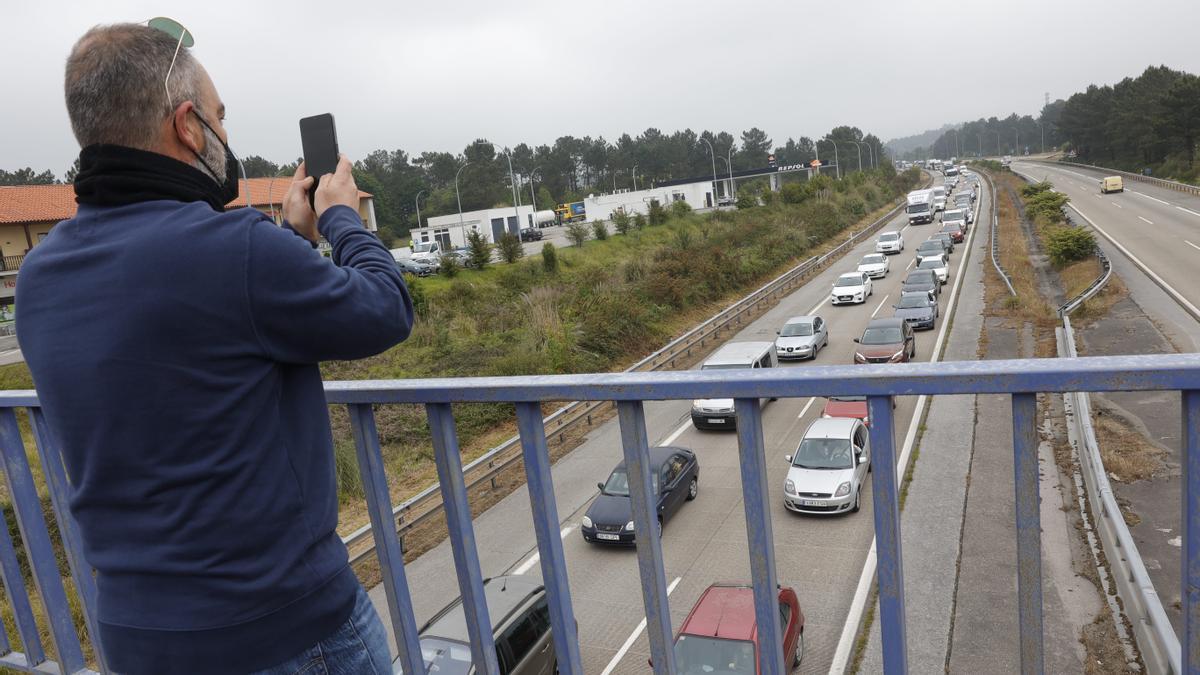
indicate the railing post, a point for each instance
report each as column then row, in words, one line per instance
column 886, row 506
column 756, row 502
column 1190, row 521
column 546, row 527
column 648, row 536
column 387, row 545
column 1029, row 530
column 462, row 537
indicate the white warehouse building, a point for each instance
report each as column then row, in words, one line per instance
column 601, row 207
column 451, row 229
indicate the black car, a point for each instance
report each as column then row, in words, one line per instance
column 922, row 280
column 531, row 234
column 676, row 479
column 918, row 309
column 946, row 240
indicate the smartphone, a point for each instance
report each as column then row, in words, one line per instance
column 318, row 136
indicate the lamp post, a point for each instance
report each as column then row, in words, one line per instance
column 417, row 204
column 858, row 149
column 998, row 150
column 836, row 164
column 981, row 145
column 614, row 177
column 270, row 189
column 635, row 177
column 713, row 155
column 1042, row 128
column 456, row 194
column 532, row 194
column 1016, row 142
column 729, row 163
column 513, row 180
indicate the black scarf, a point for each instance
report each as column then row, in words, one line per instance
column 114, row 175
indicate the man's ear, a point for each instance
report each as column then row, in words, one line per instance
column 187, row 129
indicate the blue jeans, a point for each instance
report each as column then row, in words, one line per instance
column 357, row 647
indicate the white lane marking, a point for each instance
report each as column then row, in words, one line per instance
column 1097, row 196
column 1191, row 244
column 879, row 306
column 675, row 434
column 841, row 656
column 1145, row 220
column 911, row 263
column 634, row 636
column 1188, row 211
column 818, row 306
column 1143, row 194
column 533, row 559
column 806, row 407
column 1117, row 205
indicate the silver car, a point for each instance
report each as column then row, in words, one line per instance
column 801, row 338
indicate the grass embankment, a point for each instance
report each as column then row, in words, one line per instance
column 603, row 306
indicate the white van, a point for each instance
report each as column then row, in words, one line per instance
column 717, row 413
column 939, row 198
column 429, row 251
column 920, row 207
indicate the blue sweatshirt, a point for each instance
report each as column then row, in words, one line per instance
column 175, row 349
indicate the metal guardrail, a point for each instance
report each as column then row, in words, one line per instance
column 996, row 226
column 1156, row 639
column 1159, row 182
column 427, row 503
column 1095, row 287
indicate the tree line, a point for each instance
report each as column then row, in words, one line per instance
column 1149, row 122
column 567, row 170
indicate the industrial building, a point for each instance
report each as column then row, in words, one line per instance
column 698, row 195
column 451, row 229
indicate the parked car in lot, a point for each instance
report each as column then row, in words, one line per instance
column 888, row 340
column 520, row 617
column 938, row 264
column 853, row 287
column 889, row 242
column 930, row 249
column 675, row 475
column 801, row 338
column 718, row 413
column 421, row 268
column 531, row 234
column 847, row 406
column 918, row 309
column 874, row 265
column 720, row 634
column 827, row 471
column 922, row 281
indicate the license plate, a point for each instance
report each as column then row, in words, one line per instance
column 811, row 502
column 716, row 420
column 608, row 537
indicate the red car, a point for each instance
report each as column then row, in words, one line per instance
column 847, row 406
column 720, row 635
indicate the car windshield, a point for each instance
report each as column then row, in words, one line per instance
column 872, row 259
column 423, row 247
column 618, row 483
column 798, row 329
column 918, row 208
column 849, row 281
column 823, row 453
column 702, row 655
column 889, row 236
column 913, row 302
column 445, row 657
column 888, row 335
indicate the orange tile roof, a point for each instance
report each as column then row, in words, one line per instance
column 52, row 203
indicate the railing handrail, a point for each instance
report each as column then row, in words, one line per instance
column 426, row 503
column 1160, row 182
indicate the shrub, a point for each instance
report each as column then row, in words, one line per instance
column 449, row 266
column 479, row 251
column 1046, row 205
column 1035, row 189
column 1068, row 244
column 680, row 208
column 416, row 291
column 510, row 248
column 746, row 200
column 639, row 221
column 599, row 230
column 768, row 197
column 577, row 233
column 855, row 206
column 549, row 258
column 794, row 193
column 683, row 238
column 621, row 221
column 658, row 215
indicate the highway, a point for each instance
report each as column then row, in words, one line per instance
column 821, row 557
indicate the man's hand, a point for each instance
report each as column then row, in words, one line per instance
column 337, row 188
column 296, row 210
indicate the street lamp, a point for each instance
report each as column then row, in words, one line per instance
column 729, row 163
column 836, row 164
column 998, row 150
column 532, row 194
column 1042, row 128
column 417, row 204
column 512, row 179
column 1016, row 142
column 712, row 154
column 635, row 166
column 858, row 149
column 270, row 188
column 614, row 177
column 456, row 194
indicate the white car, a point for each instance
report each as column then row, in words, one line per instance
column 851, row 288
column 939, row 204
column 874, row 265
column 889, row 242
column 827, row 471
column 936, row 263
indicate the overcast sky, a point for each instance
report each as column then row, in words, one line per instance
column 436, row 75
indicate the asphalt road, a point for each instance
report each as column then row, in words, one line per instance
column 822, row 557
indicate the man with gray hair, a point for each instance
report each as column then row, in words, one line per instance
column 175, row 348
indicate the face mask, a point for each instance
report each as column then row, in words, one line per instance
column 229, row 188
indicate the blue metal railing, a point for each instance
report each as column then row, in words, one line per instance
column 1023, row 379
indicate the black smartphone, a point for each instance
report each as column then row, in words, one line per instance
column 318, row 136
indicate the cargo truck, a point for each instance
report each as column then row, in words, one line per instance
column 570, row 213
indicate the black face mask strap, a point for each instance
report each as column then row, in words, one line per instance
column 200, row 157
